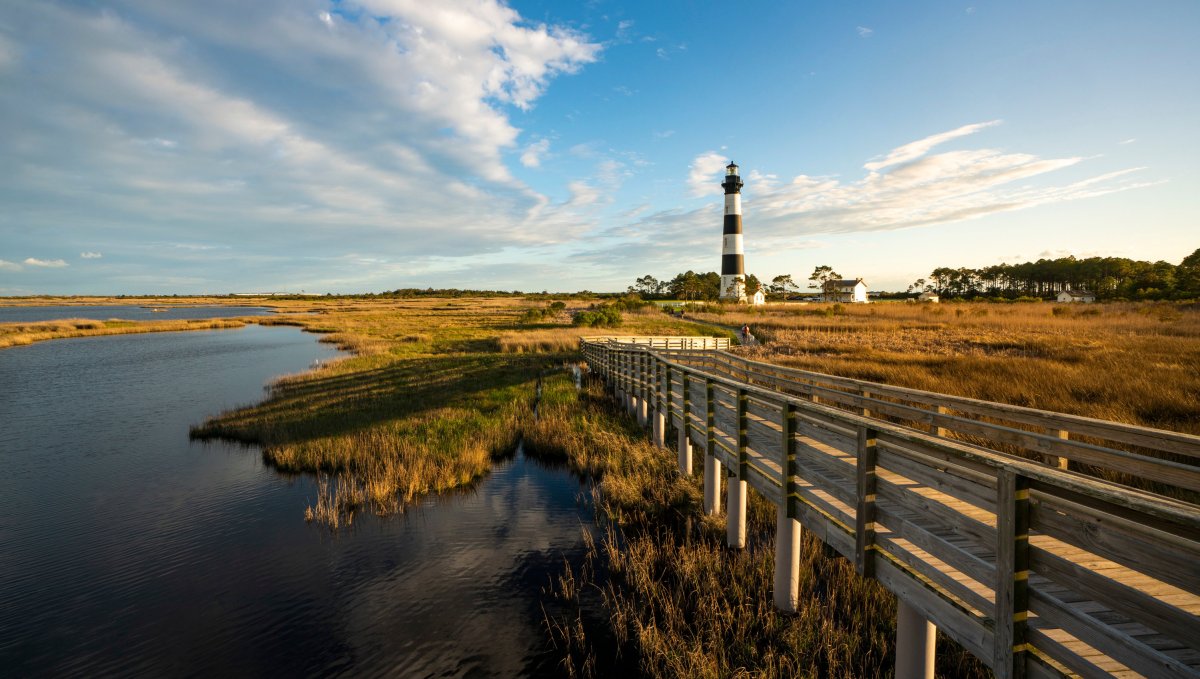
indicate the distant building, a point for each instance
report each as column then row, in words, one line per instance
column 1069, row 296
column 928, row 296
column 851, row 291
column 759, row 298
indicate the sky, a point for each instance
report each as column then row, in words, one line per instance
column 368, row 145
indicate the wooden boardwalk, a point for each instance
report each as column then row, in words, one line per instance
column 973, row 513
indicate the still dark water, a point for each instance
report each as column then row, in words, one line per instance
column 125, row 312
column 126, row 549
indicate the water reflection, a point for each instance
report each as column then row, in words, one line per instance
column 128, row 549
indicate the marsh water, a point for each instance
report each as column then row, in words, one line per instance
column 127, row 549
column 125, row 312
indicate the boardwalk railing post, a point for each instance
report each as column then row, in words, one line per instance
column 661, row 409
column 1063, row 463
column 712, row 466
column 787, row 528
column 939, row 430
column 916, row 643
column 1012, row 574
column 864, row 523
column 685, row 439
column 643, row 389
column 735, row 510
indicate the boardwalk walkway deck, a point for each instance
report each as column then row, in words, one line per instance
column 975, row 514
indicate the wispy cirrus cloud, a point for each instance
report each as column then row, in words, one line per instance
column 90, row 255
column 864, row 32
column 910, row 186
column 916, row 149
column 6, row 265
column 45, row 263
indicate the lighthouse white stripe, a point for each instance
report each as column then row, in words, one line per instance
column 733, row 203
column 732, row 244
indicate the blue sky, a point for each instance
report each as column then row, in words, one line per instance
column 367, row 145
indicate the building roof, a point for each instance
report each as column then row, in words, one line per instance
column 845, row 283
column 1079, row 293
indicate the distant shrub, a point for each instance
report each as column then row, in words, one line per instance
column 603, row 316
column 1060, row 311
column 1024, row 298
column 834, row 310
column 536, row 315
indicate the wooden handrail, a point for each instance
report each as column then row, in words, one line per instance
column 981, row 541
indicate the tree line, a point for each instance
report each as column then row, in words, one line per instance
column 1106, row 277
column 693, row 286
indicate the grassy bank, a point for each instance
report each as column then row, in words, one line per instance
column 19, row 334
column 434, row 391
column 676, row 598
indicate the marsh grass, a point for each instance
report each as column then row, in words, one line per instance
column 1133, row 363
column 680, row 603
column 429, row 399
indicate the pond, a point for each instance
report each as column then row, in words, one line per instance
column 128, row 549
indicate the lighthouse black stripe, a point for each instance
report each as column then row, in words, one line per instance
column 731, row 265
column 733, row 224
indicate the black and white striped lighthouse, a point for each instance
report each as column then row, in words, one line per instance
column 733, row 270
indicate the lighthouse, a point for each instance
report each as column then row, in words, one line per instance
column 733, row 270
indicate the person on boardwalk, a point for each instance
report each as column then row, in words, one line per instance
column 746, row 333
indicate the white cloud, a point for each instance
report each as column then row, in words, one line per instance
column 9, row 266
column 864, row 32
column 47, row 263
column 532, row 157
column 90, row 255
column 911, row 188
column 920, row 147
column 399, row 97
column 704, row 173
column 1128, row 141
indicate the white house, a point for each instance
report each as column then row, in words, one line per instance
column 759, row 298
column 854, row 291
column 1068, row 296
column 928, row 296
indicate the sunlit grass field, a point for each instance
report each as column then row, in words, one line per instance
column 1137, row 363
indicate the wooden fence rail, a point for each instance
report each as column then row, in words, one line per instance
column 1124, row 451
column 1035, row 569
